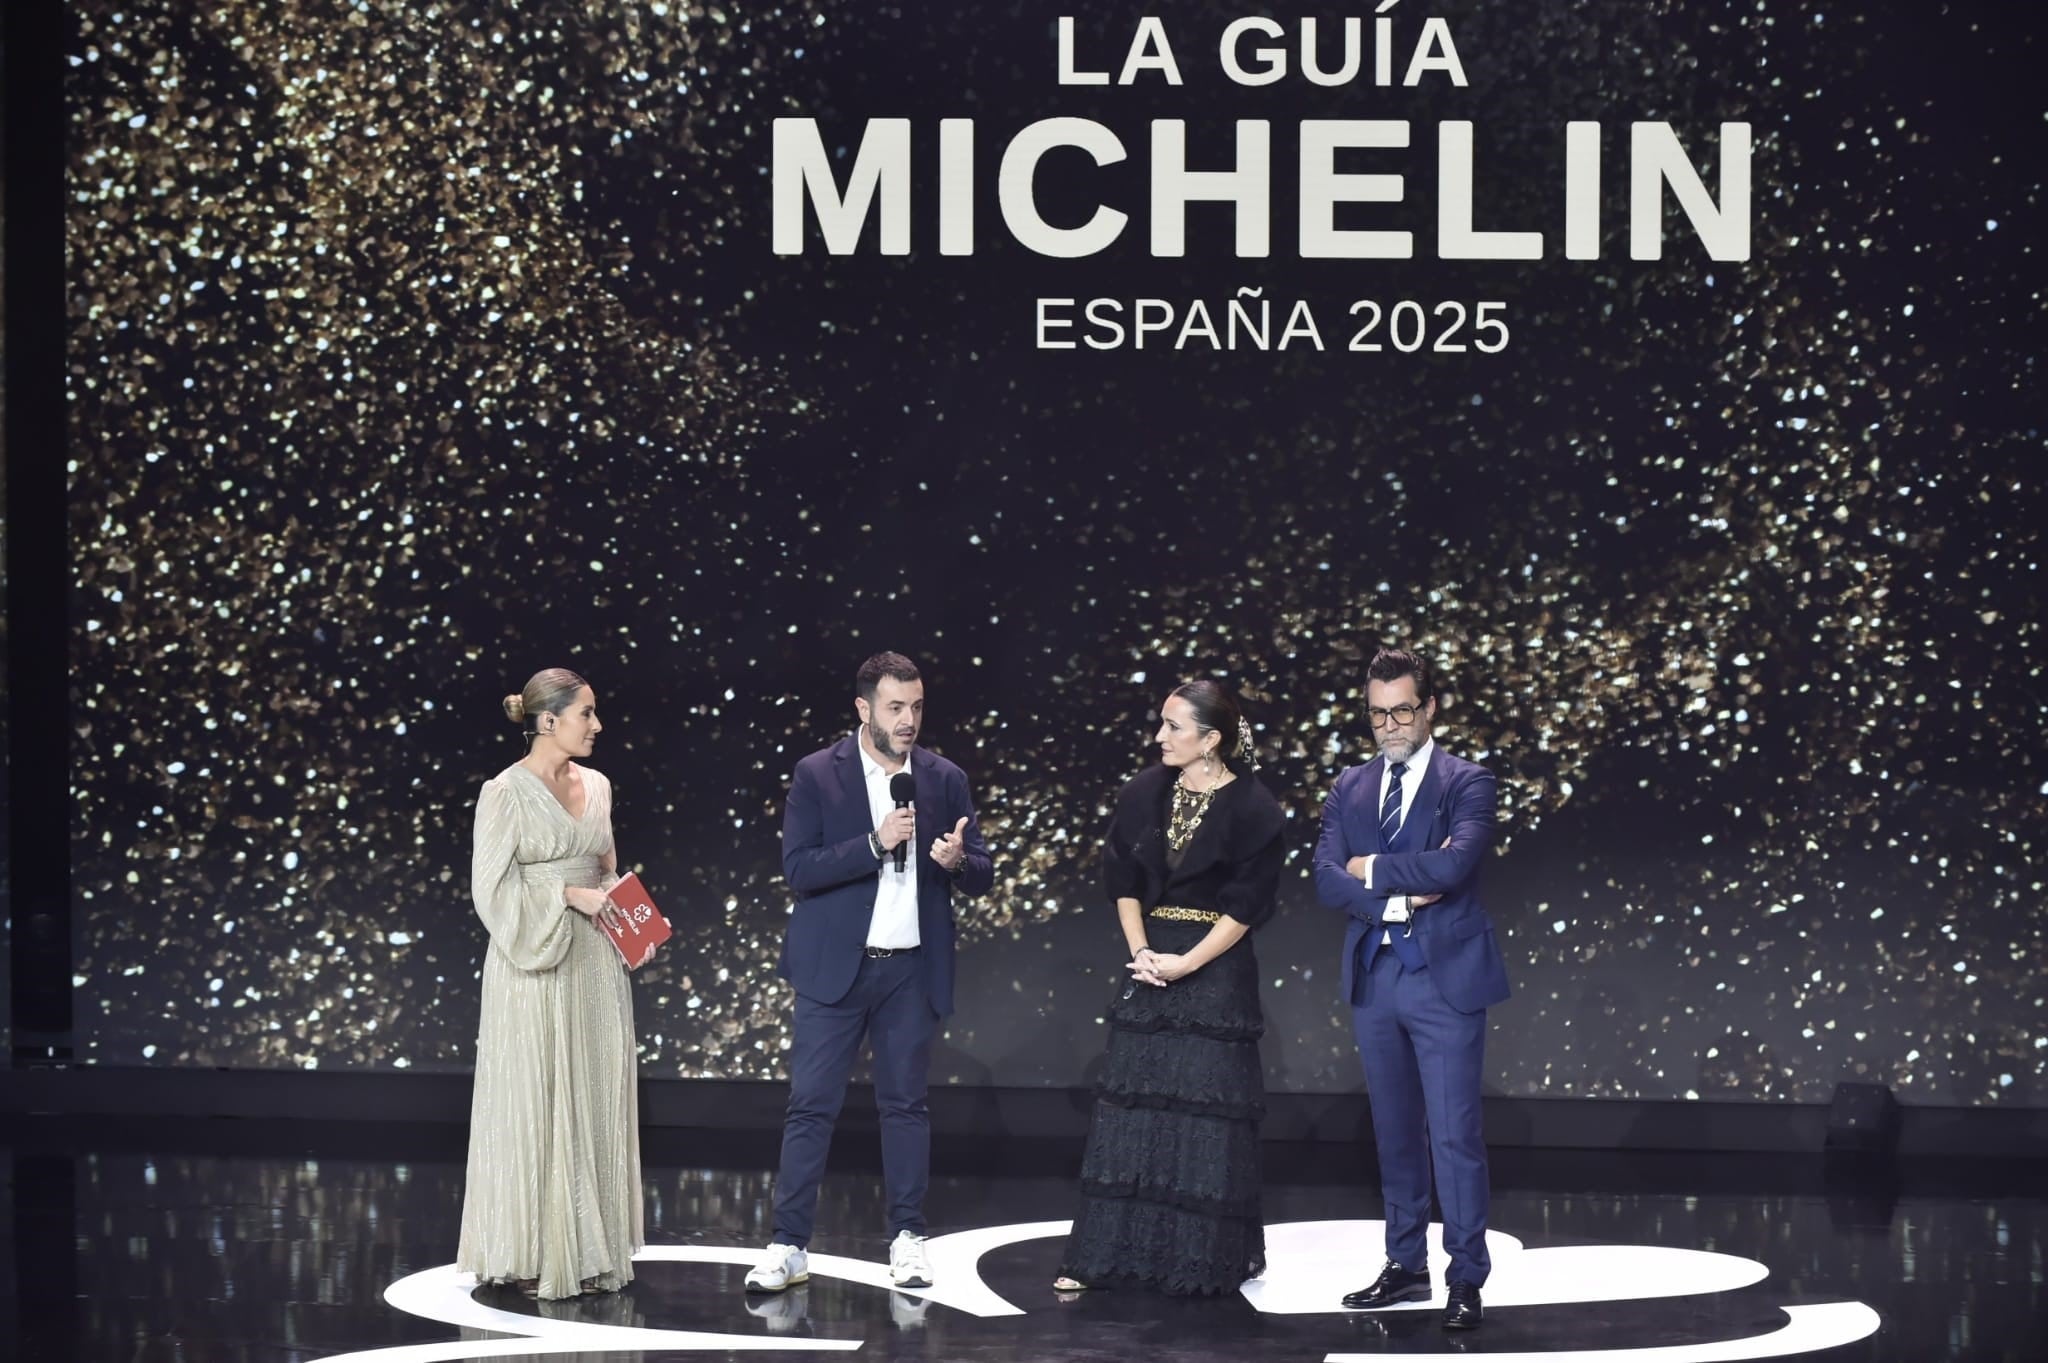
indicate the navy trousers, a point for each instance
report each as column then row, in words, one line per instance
column 890, row 1007
column 1423, row 1062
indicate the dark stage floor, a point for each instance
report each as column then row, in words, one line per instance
column 236, row 1242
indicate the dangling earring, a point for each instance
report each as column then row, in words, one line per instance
column 1213, row 775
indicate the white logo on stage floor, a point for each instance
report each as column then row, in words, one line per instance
column 1309, row 1266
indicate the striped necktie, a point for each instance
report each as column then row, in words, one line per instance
column 1390, row 808
column 1403, row 942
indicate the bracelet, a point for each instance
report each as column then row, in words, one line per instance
column 875, row 846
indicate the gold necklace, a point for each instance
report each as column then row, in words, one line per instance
column 1188, row 808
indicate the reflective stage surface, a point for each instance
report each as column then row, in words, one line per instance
column 240, row 1241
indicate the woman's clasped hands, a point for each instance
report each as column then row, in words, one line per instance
column 1155, row 967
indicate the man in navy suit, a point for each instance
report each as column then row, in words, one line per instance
column 869, row 949
column 1401, row 844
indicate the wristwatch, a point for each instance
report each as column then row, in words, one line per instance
column 875, row 845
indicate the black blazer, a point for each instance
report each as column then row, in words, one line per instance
column 1231, row 864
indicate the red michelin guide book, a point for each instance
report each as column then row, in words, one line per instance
column 641, row 927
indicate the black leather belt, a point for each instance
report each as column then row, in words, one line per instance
column 884, row 953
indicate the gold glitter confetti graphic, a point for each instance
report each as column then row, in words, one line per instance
column 415, row 347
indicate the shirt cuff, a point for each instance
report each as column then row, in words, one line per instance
column 1368, row 869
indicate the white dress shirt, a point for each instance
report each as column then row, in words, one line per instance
column 894, row 921
column 1411, row 781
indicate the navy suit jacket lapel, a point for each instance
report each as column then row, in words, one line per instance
column 1368, row 808
column 853, row 779
column 932, row 823
column 1416, row 829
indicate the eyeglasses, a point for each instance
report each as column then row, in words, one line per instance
column 1400, row 714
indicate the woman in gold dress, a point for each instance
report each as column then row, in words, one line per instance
column 552, row 1203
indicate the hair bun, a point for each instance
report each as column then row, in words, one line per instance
column 515, row 708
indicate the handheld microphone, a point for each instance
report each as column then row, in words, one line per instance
column 902, row 789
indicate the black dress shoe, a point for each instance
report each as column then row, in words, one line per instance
column 1463, row 1313
column 1395, row 1284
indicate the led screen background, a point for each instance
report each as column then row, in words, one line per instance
column 414, row 348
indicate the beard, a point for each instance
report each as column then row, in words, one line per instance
column 1399, row 748
column 884, row 742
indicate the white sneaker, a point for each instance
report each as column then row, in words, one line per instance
column 908, row 1264
column 782, row 1266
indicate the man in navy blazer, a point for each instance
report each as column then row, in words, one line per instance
column 1402, row 840
column 869, row 949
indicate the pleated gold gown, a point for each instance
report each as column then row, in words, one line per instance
column 553, row 1190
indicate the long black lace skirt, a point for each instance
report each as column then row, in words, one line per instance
column 1170, row 1180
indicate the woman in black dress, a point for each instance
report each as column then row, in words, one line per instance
column 1170, row 1181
